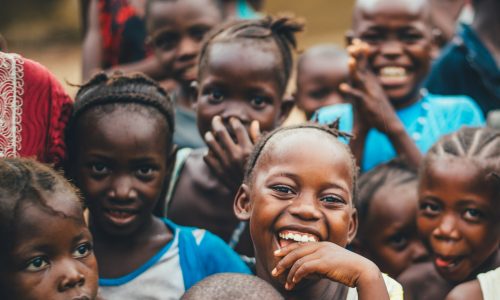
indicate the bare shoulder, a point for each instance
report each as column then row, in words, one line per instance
column 422, row 281
column 470, row 290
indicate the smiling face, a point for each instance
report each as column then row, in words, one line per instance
column 458, row 217
column 318, row 81
column 121, row 167
column 390, row 237
column 240, row 80
column 177, row 29
column 51, row 257
column 300, row 191
column 400, row 44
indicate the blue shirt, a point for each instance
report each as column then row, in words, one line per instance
column 466, row 67
column 425, row 121
column 190, row 256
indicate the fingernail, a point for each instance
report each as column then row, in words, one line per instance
column 274, row 272
column 294, row 280
column 277, row 252
column 288, row 286
column 208, row 136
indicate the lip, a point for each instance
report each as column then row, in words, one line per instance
column 312, row 233
column 448, row 263
column 120, row 216
column 81, row 297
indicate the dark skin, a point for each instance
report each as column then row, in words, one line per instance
column 176, row 30
column 458, row 220
column 236, row 99
column 444, row 15
column 121, row 168
column 299, row 187
column 389, row 235
column 466, row 291
column 388, row 65
column 486, row 24
column 52, row 255
column 318, row 79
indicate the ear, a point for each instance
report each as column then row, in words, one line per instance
column 349, row 37
column 353, row 226
column 193, row 94
column 286, row 107
column 242, row 203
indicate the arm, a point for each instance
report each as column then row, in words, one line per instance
column 467, row 290
column 92, row 43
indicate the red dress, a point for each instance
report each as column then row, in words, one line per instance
column 34, row 110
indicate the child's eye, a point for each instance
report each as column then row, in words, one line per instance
column 82, row 250
column 473, row 215
column 145, row 171
column 216, row 96
column 429, row 208
column 199, row 32
column 282, row 189
column 398, row 241
column 99, row 169
column 319, row 94
column 411, row 37
column 371, row 38
column 166, row 41
column 37, row 264
column 332, row 199
column 259, row 101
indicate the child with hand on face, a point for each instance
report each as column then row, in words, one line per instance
column 320, row 71
column 244, row 69
column 176, row 30
column 459, row 214
column 387, row 209
column 298, row 196
column 47, row 249
column 390, row 115
column 120, row 143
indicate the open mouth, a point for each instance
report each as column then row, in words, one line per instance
column 393, row 75
column 120, row 216
column 448, row 262
column 288, row 237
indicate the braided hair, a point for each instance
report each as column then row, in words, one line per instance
column 27, row 181
column 279, row 31
column 103, row 94
column 480, row 144
column 330, row 131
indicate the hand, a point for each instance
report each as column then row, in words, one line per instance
column 227, row 157
column 372, row 108
column 324, row 260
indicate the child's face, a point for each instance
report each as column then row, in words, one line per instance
column 458, row 218
column 301, row 189
column 240, row 81
column 52, row 256
column 318, row 82
column 177, row 28
column 390, row 238
column 400, row 44
column 121, row 168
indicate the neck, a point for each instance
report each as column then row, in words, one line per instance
column 407, row 101
column 143, row 233
column 486, row 24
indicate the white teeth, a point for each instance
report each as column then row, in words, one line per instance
column 393, row 71
column 301, row 238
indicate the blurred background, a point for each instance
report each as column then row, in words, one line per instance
column 49, row 31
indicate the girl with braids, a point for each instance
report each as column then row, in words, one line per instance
column 459, row 213
column 298, row 196
column 244, row 69
column 46, row 250
column 120, row 139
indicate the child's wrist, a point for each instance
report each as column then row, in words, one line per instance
column 370, row 274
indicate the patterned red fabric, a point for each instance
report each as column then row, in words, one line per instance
column 34, row 110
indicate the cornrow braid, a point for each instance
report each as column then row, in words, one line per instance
column 331, row 130
column 22, row 181
column 119, row 89
column 395, row 173
column 480, row 144
column 278, row 30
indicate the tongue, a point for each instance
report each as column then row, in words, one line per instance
column 443, row 263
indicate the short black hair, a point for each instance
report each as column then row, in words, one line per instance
column 147, row 10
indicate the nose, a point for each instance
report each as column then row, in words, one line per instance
column 447, row 228
column 234, row 109
column 391, row 49
column 71, row 276
column 305, row 208
column 188, row 49
column 419, row 252
column 122, row 189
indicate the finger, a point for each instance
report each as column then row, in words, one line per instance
column 222, row 135
column 214, row 147
column 242, row 135
column 288, row 260
column 255, row 133
column 351, row 93
column 307, row 268
column 214, row 164
column 297, row 264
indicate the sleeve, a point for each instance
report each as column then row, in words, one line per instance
column 219, row 257
column 331, row 113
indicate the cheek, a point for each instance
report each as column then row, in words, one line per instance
column 268, row 118
column 36, row 285
column 425, row 226
column 165, row 58
column 338, row 223
column 91, row 274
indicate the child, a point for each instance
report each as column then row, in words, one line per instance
column 485, row 287
column 298, row 197
column 231, row 287
column 459, row 215
column 392, row 117
column 320, row 71
column 120, row 139
column 470, row 65
column 387, row 211
column 244, row 71
column 46, row 250
column 176, row 29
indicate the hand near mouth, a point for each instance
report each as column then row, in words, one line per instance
column 229, row 152
column 328, row 260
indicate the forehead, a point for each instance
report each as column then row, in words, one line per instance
column 313, row 65
column 173, row 12
column 389, row 12
column 394, row 203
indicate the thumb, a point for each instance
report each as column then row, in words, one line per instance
column 255, row 133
